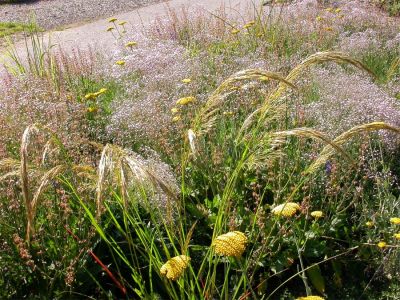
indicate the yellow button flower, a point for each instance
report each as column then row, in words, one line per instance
column 369, row 224
column 186, row 80
column 232, row 243
column 174, row 267
column 310, row 298
column 395, row 221
column 90, row 96
column 381, row 245
column 176, row 119
column 174, row 110
column 102, row 90
column 286, row 209
column 120, row 62
column 397, row 236
column 186, row 100
column 112, row 20
column 317, row 214
column 110, row 28
column 130, row 44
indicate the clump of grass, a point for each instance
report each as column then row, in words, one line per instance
column 10, row 28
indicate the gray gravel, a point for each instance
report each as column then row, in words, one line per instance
column 53, row 14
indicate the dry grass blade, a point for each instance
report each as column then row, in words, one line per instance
column 208, row 113
column 329, row 150
column 26, row 138
column 317, row 58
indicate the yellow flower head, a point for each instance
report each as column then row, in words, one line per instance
column 397, row 236
column 381, row 245
column 112, row 20
column 176, row 119
column 329, row 9
column 122, row 23
column 174, row 110
column 288, row 209
column 250, row 24
column 174, row 267
column 319, row 18
column 110, row 28
column 186, row 100
column 235, row 31
column 395, row 221
column 228, row 113
column 120, row 62
column 130, row 44
column 310, row 298
column 90, row 96
column 369, row 224
column 92, row 109
column 232, row 243
column 317, row 214
column 102, row 90
column 338, row 10
column 186, row 80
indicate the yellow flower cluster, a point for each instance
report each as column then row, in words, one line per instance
column 230, row 244
column 250, row 24
column 235, row 31
column 112, row 20
column 286, row 209
column 381, row 245
column 317, row 214
column 186, row 80
column 174, row 267
column 110, row 29
column 186, row 100
column 369, row 224
column 397, row 236
column 120, row 62
column 130, row 44
column 395, row 221
column 310, row 298
column 93, row 96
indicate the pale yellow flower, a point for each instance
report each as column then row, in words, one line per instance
column 186, row 100
column 112, row 20
column 397, row 236
column 186, row 80
column 176, row 119
column 381, row 245
column 92, row 109
column 338, row 10
column 232, row 243
column 288, row 209
column 317, row 214
column 369, row 224
column 395, row 221
column 174, row 267
column 250, row 24
column 329, row 9
column 90, row 96
column 310, row 298
column 174, row 110
column 120, row 62
column 130, row 44
column 235, row 31
column 102, row 90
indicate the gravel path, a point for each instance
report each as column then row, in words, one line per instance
column 52, row 14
